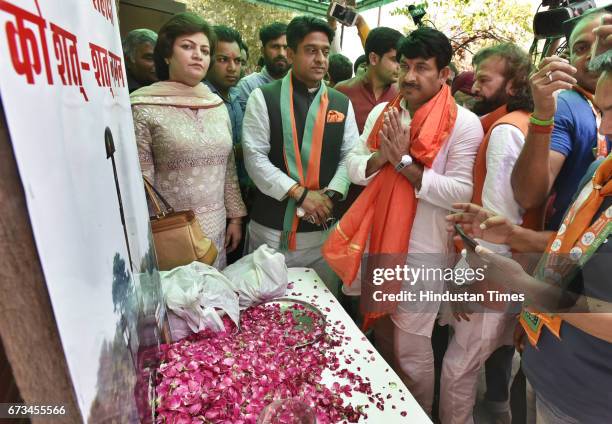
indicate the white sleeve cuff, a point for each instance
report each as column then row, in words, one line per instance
column 340, row 182
column 428, row 175
column 279, row 189
column 360, row 175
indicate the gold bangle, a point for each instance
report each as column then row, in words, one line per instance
column 292, row 190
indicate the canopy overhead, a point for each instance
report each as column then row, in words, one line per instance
column 318, row 7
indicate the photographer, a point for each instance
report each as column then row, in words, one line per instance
column 567, row 361
column 559, row 149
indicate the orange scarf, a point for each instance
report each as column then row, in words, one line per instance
column 385, row 210
column 601, row 151
column 489, row 119
column 577, row 221
column 602, row 187
column 586, row 94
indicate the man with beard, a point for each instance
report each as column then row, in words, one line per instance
column 566, row 356
column 138, row 52
column 415, row 157
column 274, row 53
column 297, row 133
column 501, row 90
column 553, row 163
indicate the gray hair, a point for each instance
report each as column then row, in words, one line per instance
column 135, row 38
column 602, row 62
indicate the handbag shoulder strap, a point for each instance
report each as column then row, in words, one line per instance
column 155, row 196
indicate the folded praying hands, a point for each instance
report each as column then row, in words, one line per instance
column 394, row 138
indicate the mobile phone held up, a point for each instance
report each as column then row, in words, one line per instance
column 342, row 14
column 467, row 240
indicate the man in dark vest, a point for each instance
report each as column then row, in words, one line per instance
column 297, row 133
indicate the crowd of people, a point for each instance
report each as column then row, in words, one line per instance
column 341, row 173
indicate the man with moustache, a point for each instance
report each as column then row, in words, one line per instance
column 297, row 133
column 501, row 91
column 138, row 53
column 554, row 163
column 274, row 55
column 415, row 158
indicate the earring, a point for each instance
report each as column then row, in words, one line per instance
column 167, row 61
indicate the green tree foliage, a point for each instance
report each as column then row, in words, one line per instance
column 474, row 24
column 122, row 288
column 243, row 16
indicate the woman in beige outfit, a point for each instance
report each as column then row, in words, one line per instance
column 184, row 135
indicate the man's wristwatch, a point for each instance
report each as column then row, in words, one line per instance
column 406, row 161
column 333, row 195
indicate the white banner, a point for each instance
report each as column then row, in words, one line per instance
column 64, row 90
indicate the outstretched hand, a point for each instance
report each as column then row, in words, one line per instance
column 481, row 223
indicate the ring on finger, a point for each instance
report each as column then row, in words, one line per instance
column 549, row 75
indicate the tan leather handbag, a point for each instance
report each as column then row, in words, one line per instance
column 178, row 238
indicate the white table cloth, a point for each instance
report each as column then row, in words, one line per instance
column 358, row 356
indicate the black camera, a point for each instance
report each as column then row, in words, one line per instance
column 552, row 23
column 417, row 12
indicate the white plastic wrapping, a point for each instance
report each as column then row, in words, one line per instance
column 198, row 294
column 258, row 277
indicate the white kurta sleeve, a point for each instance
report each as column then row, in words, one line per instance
column 456, row 184
column 357, row 160
column 341, row 182
column 267, row 177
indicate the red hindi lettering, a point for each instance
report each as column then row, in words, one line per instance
column 64, row 44
column 69, row 66
column 99, row 56
column 116, row 69
column 105, row 8
column 24, row 45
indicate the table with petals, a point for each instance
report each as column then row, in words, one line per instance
column 358, row 356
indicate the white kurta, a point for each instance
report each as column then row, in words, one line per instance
column 448, row 181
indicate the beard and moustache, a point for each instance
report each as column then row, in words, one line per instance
column 487, row 105
column 277, row 67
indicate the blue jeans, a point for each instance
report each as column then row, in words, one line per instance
column 547, row 413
